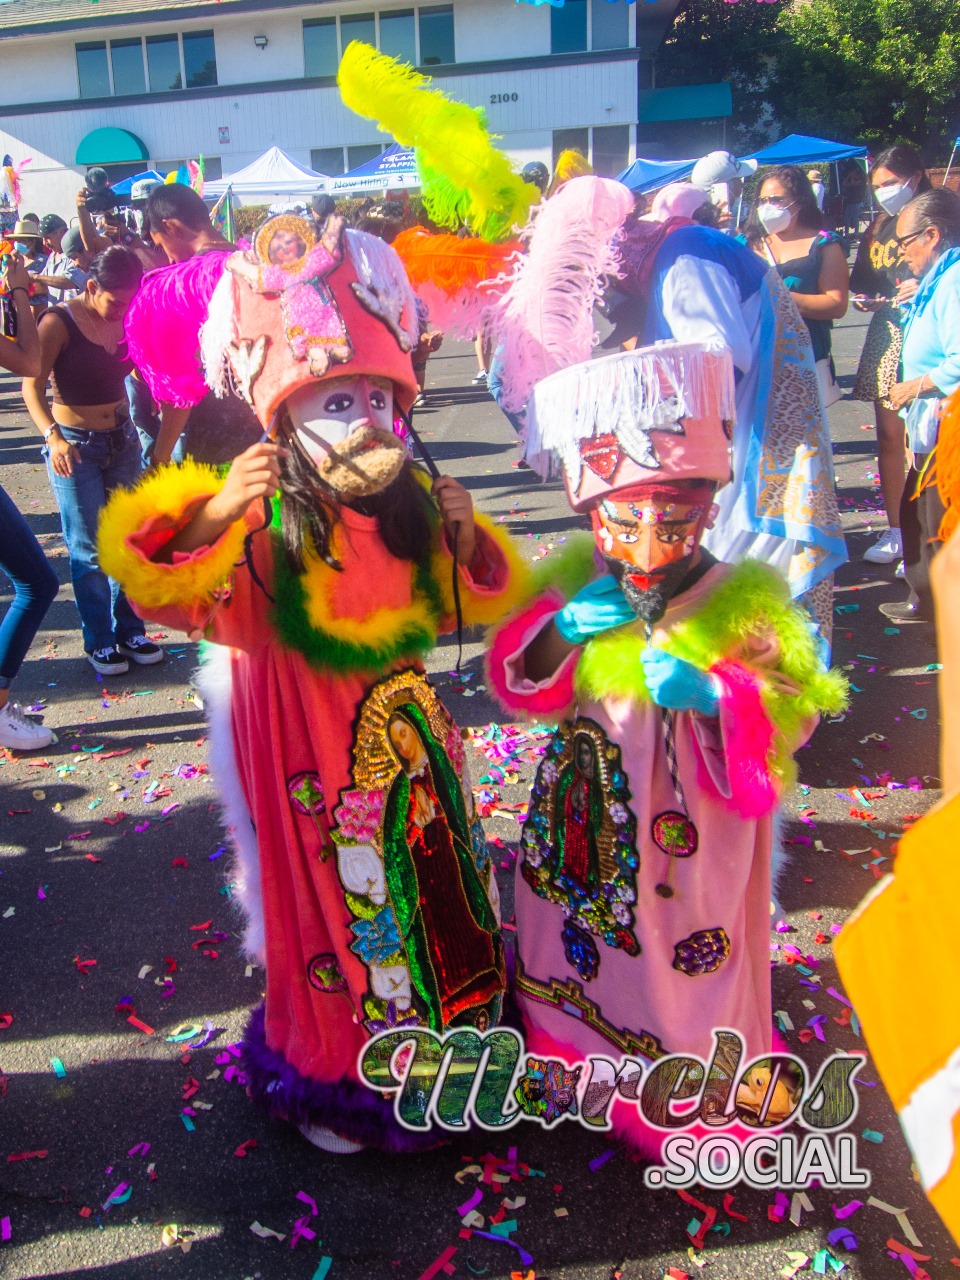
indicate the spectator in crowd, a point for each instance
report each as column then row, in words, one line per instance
column 21, row 557
column 62, row 275
column 91, row 447
column 928, row 234
column 815, row 178
column 785, row 228
column 853, row 191
column 881, row 284
column 27, row 241
column 722, row 176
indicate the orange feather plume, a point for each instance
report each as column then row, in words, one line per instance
column 944, row 466
column 452, row 264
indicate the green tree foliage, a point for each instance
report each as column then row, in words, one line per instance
column 875, row 71
column 870, row 70
column 714, row 40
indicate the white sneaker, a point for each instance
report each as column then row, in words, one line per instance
column 479, row 376
column 900, row 571
column 19, row 732
column 327, row 1140
column 887, row 549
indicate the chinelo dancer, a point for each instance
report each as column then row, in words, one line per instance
column 322, row 569
column 684, row 685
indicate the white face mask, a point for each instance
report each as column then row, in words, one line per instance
column 326, row 414
column 773, row 218
column 894, row 196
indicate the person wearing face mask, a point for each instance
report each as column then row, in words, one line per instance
column 786, row 229
column 928, row 234
column 881, row 284
column 644, row 881
column 91, row 447
column 321, row 569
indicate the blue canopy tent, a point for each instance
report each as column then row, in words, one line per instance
column 649, row 175
column 798, row 148
column 395, row 169
column 126, row 186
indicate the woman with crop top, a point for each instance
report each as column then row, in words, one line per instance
column 91, row 446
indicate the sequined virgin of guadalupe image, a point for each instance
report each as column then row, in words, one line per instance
column 418, row 880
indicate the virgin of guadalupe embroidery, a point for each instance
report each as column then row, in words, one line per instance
column 419, row 891
column 579, row 841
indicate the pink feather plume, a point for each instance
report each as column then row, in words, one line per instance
column 544, row 321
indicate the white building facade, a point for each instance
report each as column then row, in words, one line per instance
column 137, row 84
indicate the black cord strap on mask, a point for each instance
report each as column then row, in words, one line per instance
column 431, row 466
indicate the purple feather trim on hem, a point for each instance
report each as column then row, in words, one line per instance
column 347, row 1107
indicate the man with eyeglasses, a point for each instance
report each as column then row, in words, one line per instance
column 928, row 236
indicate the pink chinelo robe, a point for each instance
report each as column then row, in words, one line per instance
column 284, row 733
column 675, row 967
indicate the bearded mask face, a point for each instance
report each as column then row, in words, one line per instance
column 649, row 537
column 345, row 426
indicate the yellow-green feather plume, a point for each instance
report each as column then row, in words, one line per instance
column 465, row 178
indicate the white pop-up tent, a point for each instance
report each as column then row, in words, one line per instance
column 272, row 175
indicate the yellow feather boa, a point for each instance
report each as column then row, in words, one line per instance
column 167, row 493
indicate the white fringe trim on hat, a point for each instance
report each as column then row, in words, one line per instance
column 627, row 394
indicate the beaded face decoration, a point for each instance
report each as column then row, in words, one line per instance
column 649, row 537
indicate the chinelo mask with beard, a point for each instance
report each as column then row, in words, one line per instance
column 649, row 536
column 345, row 426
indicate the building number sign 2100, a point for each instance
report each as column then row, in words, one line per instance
column 496, row 98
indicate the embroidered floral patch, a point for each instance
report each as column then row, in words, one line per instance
column 324, row 974
column 675, row 834
column 579, row 841
column 306, row 794
column 703, row 952
column 376, row 940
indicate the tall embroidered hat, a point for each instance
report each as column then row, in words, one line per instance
column 658, row 413
column 306, row 305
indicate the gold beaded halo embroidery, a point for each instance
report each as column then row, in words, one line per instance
column 375, row 764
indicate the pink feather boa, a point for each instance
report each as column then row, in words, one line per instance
column 748, row 736
column 548, row 697
column 163, row 327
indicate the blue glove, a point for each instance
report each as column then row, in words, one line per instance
column 678, row 685
column 598, row 607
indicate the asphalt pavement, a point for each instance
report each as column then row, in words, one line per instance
column 125, row 1153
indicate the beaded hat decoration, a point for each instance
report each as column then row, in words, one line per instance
column 658, row 413
column 308, row 304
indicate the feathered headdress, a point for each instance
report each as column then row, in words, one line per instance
column 544, row 321
column 11, row 177
column 465, row 178
column 459, row 278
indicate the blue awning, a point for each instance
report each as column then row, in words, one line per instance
column 395, row 168
column 649, row 175
column 798, row 148
column 126, row 186
column 688, row 102
column 111, row 146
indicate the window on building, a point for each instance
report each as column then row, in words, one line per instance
column 571, row 140
column 436, row 35
column 358, row 26
column 199, row 58
column 568, row 27
column 126, row 58
column 163, row 61
column 398, row 35
column 328, row 160
column 320, row 56
column 611, row 150
column 92, row 69
column 360, row 155
column 212, row 168
column 609, row 25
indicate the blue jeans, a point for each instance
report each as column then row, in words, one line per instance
column 34, row 586
column 147, row 420
column 108, row 460
column 495, row 387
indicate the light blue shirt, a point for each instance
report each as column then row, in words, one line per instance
column 931, row 335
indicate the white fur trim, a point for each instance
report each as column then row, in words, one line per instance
column 214, row 680
column 217, row 332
